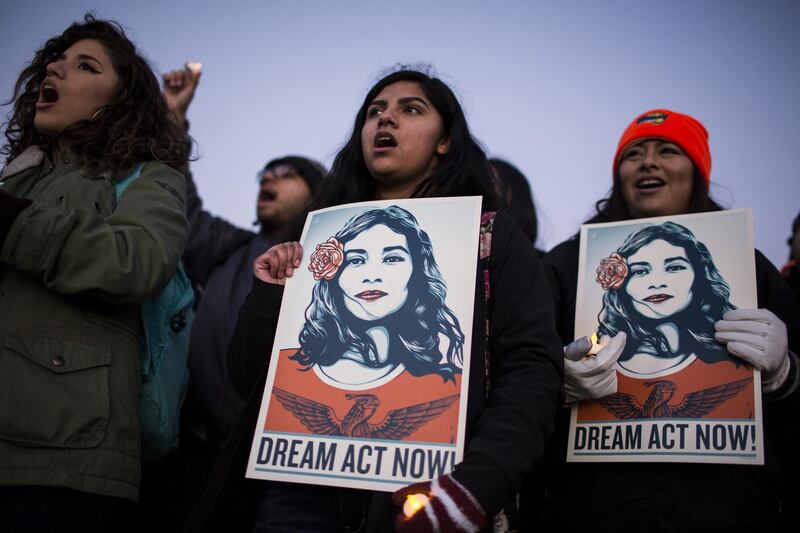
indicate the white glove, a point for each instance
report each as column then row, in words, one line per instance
column 592, row 376
column 758, row 337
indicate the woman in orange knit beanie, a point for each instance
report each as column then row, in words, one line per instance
column 662, row 167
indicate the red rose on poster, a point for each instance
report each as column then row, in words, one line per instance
column 612, row 272
column 326, row 259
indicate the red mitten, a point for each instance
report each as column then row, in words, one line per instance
column 449, row 507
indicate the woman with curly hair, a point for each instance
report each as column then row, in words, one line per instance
column 669, row 311
column 75, row 262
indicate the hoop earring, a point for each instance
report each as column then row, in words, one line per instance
column 97, row 113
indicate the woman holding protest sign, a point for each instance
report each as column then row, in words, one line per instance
column 76, row 263
column 411, row 139
column 662, row 167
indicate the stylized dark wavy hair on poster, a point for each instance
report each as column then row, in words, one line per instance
column 331, row 329
column 710, row 300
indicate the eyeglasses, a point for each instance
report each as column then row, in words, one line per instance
column 278, row 172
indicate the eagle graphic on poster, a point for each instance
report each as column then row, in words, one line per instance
column 694, row 405
column 321, row 419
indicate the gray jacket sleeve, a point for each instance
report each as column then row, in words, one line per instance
column 211, row 239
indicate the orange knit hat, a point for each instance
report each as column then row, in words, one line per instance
column 685, row 131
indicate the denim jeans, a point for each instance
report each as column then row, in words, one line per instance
column 294, row 507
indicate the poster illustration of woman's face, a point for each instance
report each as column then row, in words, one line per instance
column 664, row 282
column 375, row 274
column 660, row 279
column 378, row 305
column 368, row 367
column 663, row 289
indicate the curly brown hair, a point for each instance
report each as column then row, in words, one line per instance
column 136, row 127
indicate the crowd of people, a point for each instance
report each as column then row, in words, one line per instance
column 78, row 259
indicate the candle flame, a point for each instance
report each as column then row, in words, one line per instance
column 414, row 502
column 594, row 338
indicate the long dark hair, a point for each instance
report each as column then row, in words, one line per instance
column 516, row 197
column 330, row 330
column 135, row 127
column 710, row 300
column 463, row 171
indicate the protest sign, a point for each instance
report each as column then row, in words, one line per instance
column 681, row 396
column 367, row 379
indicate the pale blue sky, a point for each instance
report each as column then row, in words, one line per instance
column 548, row 85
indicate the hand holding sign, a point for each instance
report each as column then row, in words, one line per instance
column 758, row 337
column 278, row 263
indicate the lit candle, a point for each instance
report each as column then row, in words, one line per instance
column 414, row 502
column 596, row 346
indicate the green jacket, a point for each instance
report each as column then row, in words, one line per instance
column 72, row 271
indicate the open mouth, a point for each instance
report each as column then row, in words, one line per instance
column 267, row 195
column 649, row 183
column 370, row 295
column 658, row 298
column 48, row 94
column 385, row 139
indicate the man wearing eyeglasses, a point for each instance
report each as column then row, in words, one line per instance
column 218, row 259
